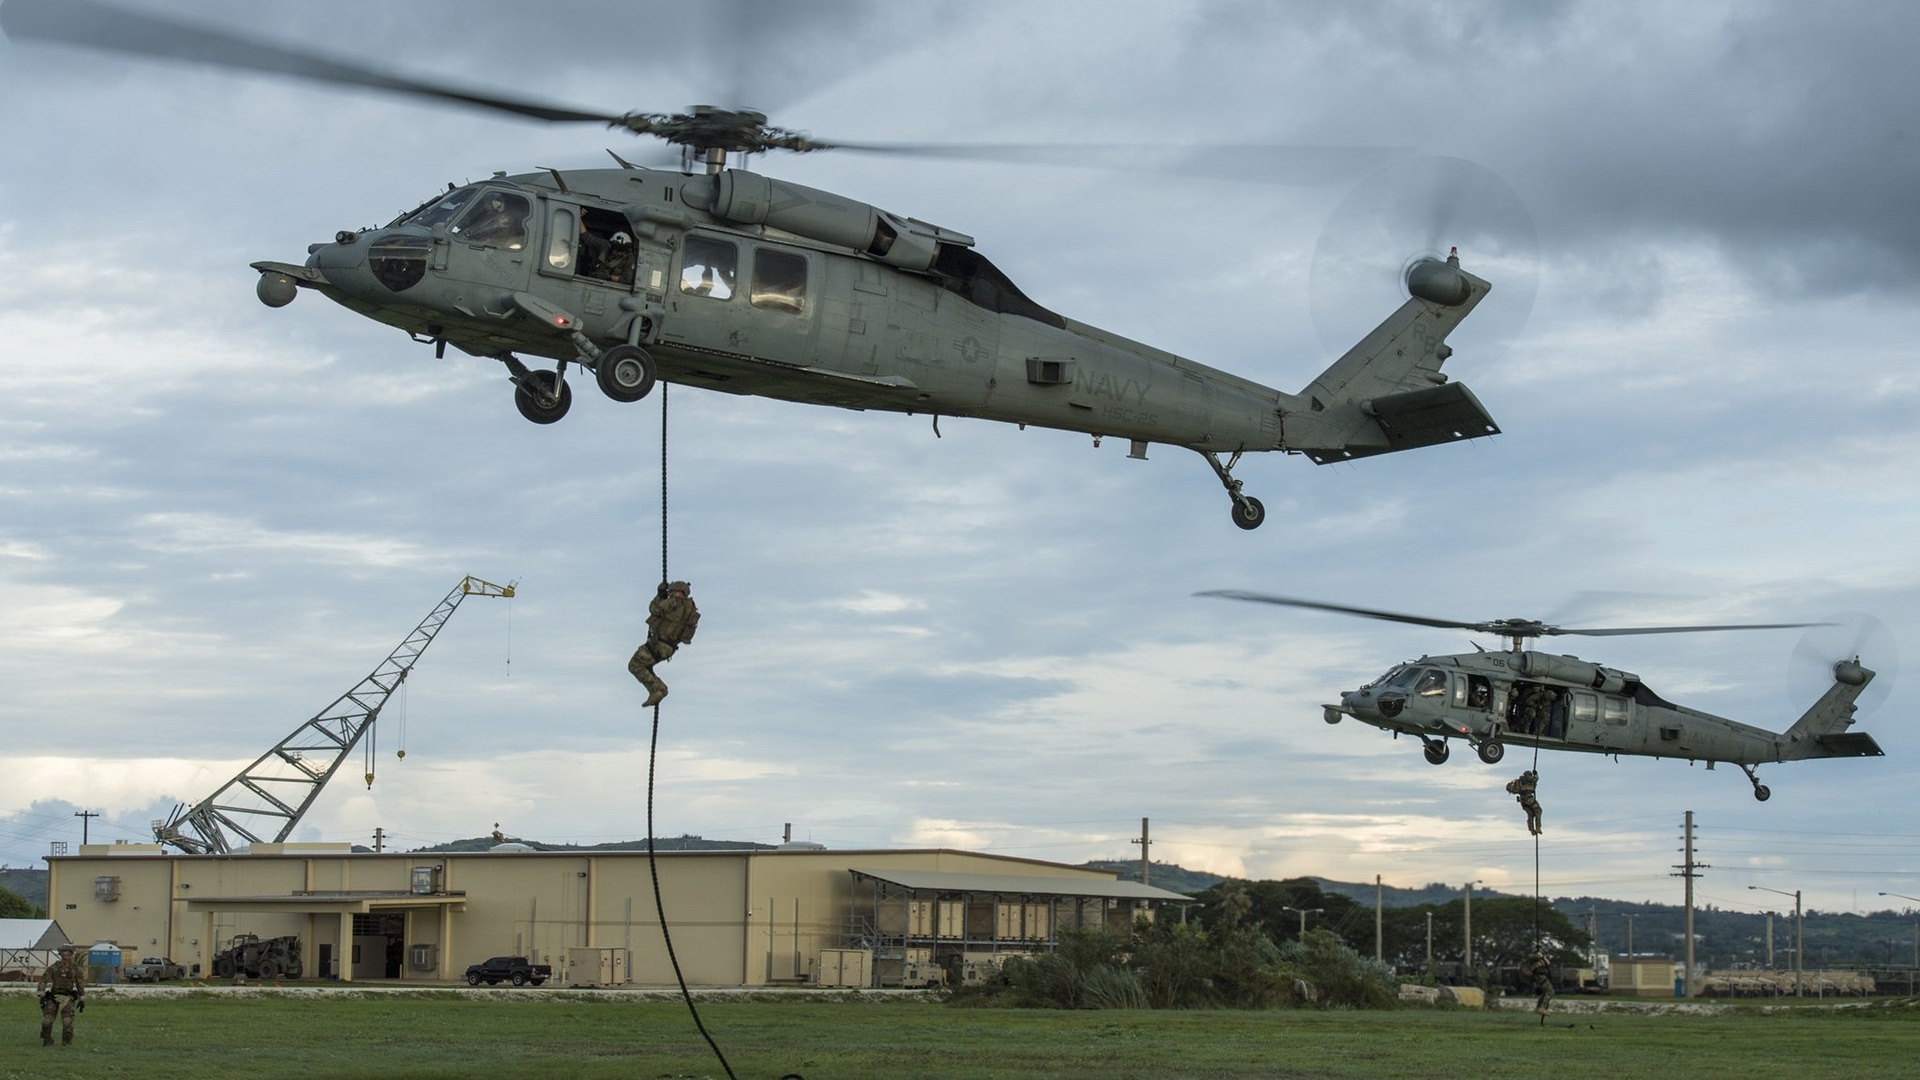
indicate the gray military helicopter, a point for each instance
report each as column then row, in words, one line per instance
column 730, row 280
column 1558, row 702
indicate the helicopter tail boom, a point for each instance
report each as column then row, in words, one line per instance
column 1822, row 731
column 1387, row 393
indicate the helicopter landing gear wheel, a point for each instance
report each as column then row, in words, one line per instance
column 537, row 399
column 1248, row 513
column 1760, row 790
column 625, row 373
column 1491, row 751
column 1437, row 751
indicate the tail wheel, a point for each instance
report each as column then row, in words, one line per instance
column 1762, row 792
column 1248, row 513
column 625, row 373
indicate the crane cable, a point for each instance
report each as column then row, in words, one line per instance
column 653, row 755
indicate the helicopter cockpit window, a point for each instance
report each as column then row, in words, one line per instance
column 708, row 267
column 441, row 210
column 1401, row 678
column 1433, row 683
column 496, row 219
column 779, row 281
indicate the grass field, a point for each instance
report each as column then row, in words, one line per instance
column 444, row 1035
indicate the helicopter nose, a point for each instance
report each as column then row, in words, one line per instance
column 345, row 265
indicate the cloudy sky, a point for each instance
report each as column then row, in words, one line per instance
column 216, row 517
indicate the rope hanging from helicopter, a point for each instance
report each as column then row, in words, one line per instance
column 1538, row 941
column 653, row 756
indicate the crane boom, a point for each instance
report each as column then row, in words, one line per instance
column 267, row 798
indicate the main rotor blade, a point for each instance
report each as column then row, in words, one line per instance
column 100, row 26
column 1317, row 605
column 1618, row 631
column 1233, row 161
column 1511, row 628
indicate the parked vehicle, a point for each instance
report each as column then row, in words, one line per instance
column 154, row 969
column 260, row 958
column 513, row 969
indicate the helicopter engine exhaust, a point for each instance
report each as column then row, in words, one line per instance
column 1438, row 282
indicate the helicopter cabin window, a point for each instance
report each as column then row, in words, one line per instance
column 779, row 280
column 497, row 219
column 708, row 267
column 1433, row 683
column 560, row 239
column 1614, row 711
column 1586, row 708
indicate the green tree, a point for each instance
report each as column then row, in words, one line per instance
column 14, row 906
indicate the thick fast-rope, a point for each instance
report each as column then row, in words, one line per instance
column 1538, row 941
column 653, row 753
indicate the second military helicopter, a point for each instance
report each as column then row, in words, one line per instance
column 1558, row 702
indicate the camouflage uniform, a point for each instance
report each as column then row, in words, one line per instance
column 1540, row 973
column 1523, row 790
column 63, row 988
column 671, row 621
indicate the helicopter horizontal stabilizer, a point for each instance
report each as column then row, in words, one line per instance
column 1849, row 744
column 1439, row 414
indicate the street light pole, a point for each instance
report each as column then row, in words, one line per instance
column 1799, row 940
column 1304, row 912
column 1916, row 932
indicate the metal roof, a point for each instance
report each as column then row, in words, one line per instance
column 1022, row 885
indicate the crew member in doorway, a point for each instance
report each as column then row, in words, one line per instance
column 63, row 992
column 671, row 621
column 1522, row 791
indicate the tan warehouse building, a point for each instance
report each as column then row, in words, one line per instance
column 736, row 917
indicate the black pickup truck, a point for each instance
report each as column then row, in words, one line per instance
column 513, row 969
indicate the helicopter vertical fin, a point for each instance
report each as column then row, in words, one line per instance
column 1822, row 731
column 1387, row 393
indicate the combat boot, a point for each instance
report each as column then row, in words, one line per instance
column 654, row 698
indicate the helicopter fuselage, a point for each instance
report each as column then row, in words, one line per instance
column 746, row 285
column 1555, row 702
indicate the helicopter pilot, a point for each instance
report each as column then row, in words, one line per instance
column 499, row 221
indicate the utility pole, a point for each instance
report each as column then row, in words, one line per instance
column 1629, row 919
column 1145, row 862
column 1689, row 870
column 85, row 817
column 1466, row 919
column 379, row 839
column 1379, row 925
column 1429, row 943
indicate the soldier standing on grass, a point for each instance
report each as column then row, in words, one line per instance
column 1540, row 973
column 63, row 992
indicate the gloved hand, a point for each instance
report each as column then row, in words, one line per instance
column 80, row 1003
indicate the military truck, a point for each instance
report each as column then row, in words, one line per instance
column 514, row 969
column 259, row 958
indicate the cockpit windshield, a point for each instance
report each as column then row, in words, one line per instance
column 441, row 210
